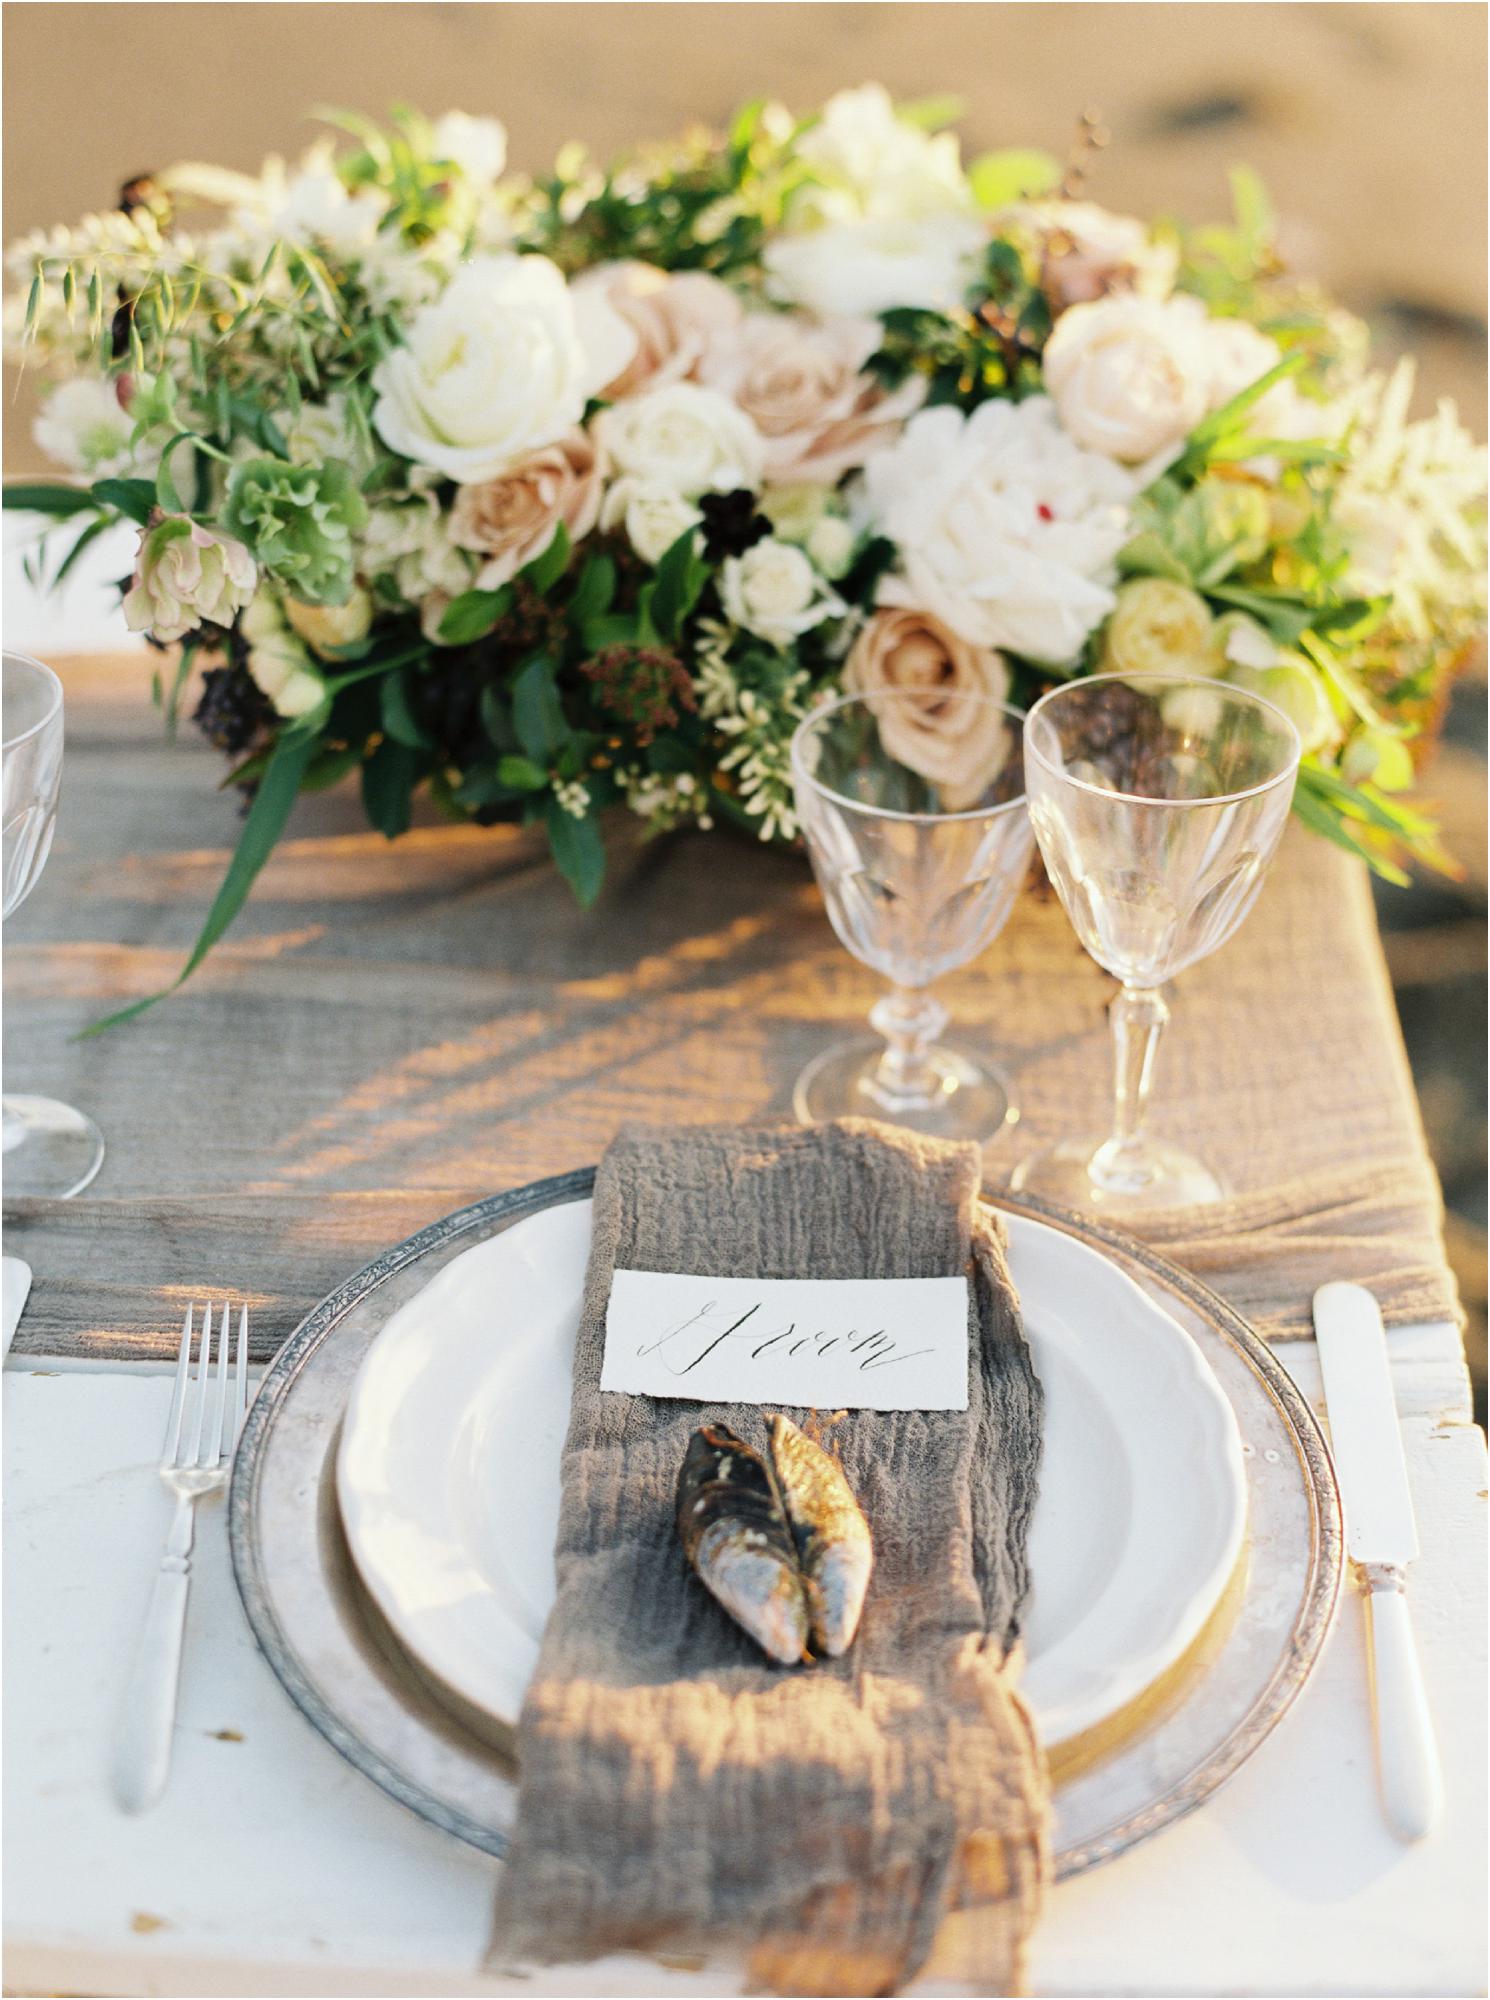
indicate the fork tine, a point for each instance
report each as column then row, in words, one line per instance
column 178, row 1393
column 204, row 1359
column 240, row 1384
column 221, row 1411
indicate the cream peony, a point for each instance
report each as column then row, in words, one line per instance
column 774, row 591
column 960, row 747
column 803, row 384
column 685, row 437
column 1131, row 377
column 676, row 319
column 1160, row 627
column 185, row 574
column 512, row 519
column 503, row 363
column 82, row 426
column 1006, row 529
column 1086, row 251
column 653, row 516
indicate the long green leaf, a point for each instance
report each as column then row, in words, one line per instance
column 537, row 712
column 265, row 823
column 134, row 498
column 59, row 500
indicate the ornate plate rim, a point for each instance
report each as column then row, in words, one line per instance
column 1321, row 1588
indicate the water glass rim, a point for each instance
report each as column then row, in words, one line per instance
column 41, row 667
column 1289, row 770
column 827, row 708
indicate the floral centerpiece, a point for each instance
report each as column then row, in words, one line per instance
column 546, row 496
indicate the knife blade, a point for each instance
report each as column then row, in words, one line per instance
column 1382, row 1538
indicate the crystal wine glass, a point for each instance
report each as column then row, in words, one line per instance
column 49, row 1149
column 913, row 809
column 1158, row 802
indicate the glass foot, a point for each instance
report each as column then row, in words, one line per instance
column 48, row 1148
column 1076, row 1173
column 971, row 1098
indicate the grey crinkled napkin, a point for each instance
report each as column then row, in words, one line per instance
column 678, row 1792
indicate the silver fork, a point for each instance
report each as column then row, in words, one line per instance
column 198, row 1455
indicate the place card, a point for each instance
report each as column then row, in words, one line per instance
column 818, row 1343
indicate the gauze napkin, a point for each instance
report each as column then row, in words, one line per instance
column 679, row 1793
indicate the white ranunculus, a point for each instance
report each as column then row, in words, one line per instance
column 1006, row 528
column 502, row 363
column 478, row 146
column 872, row 263
column 682, row 436
column 774, row 591
column 867, row 161
column 1131, row 377
column 410, row 539
column 831, row 544
column 1086, row 251
column 81, row 426
column 653, row 516
column 314, row 207
column 886, row 218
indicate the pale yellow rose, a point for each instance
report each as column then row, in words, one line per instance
column 805, row 386
column 960, row 746
column 675, row 318
column 512, row 519
column 327, row 626
column 1159, row 627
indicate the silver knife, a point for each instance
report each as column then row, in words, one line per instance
column 1382, row 1539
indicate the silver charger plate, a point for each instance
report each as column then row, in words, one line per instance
column 326, row 1643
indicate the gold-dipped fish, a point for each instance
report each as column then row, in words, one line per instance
column 734, row 1532
column 835, row 1552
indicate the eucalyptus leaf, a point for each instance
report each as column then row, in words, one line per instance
column 578, row 849
column 537, row 712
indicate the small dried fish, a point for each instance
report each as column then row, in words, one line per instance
column 736, row 1535
column 834, row 1550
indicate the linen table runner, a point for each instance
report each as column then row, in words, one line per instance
column 676, row 1790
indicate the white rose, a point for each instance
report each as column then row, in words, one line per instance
column 478, row 146
column 502, row 363
column 682, row 436
column 81, row 426
column 1006, row 529
column 873, row 263
column 1131, row 377
column 773, row 591
column 653, row 516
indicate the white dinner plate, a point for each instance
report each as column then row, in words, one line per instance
column 448, row 1471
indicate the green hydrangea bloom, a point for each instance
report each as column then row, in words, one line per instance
column 299, row 521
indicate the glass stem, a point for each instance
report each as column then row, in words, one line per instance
column 1138, row 1015
column 910, row 1022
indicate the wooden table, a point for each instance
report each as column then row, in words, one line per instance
column 339, row 1074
